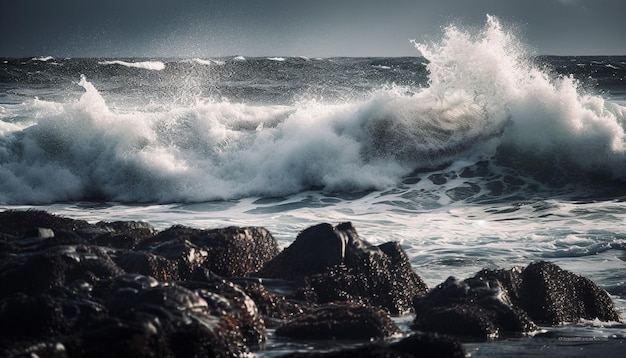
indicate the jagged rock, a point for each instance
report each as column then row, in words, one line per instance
column 18, row 222
column 123, row 234
column 148, row 264
column 37, row 230
column 231, row 251
column 315, row 249
column 431, row 345
column 227, row 300
column 496, row 302
column 42, row 315
column 57, row 266
column 471, row 308
column 334, row 264
column 551, row 295
column 183, row 255
column 180, row 321
column 345, row 321
column 274, row 308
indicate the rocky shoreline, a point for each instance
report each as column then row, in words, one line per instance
column 70, row 288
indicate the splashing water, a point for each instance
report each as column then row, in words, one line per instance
column 485, row 99
column 542, row 115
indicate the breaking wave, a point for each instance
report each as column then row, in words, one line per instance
column 485, row 100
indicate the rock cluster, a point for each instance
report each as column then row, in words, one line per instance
column 70, row 288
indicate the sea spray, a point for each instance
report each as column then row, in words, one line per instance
column 268, row 128
column 541, row 114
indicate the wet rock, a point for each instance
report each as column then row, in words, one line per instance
column 470, row 308
column 334, row 264
column 38, row 230
column 315, row 249
column 431, row 345
column 42, row 315
column 57, row 266
column 551, row 295
column 18, row 222
column 170, row 319
column 232, row 251
column 497, row 302
column 148, row 264
column 183, row 255
column 273, row 306
column 229, row 301
column 37, row 349
column 123, row 234
column 343, row 321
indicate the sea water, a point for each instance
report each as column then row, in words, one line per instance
column 473, row 154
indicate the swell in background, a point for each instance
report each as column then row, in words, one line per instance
column 276, row 126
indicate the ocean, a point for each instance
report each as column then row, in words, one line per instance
column 475, row 153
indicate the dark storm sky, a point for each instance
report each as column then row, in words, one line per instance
column 163, row 28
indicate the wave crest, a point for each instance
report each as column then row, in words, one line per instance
column 146, row 65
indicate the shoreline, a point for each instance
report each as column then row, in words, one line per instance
column 138, row 252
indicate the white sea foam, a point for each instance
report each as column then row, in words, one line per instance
column 277, row 59
column 43, row 58
column 147, row 65
column 206, row 62
column 540, row 114
column 483, row 93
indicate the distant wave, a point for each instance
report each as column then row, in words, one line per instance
column 205, row 62
column 277, row 59
column 43, row 59
column 147, row 65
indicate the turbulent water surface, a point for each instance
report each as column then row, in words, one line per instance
column 474, row 154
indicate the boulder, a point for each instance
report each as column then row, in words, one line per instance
column 228, row 301
column 150, row 318
column 335, row 264
column 273, row 306
column 470, row 308
column 504, row 302
column 231, row 251
column 37, row 230
column 149, row 264
column 551, row 295
column 19, row 222
column 340, row 321
column 58, row 266
column 431, row 345
column 123, row 234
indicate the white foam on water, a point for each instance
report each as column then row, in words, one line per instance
column 147, row 65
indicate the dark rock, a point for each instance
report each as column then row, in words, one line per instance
column 496, row 302
column 123, row 234
column 37, row 230
column 340, row 321
column 57, row 266
column 148, row 264
column 183, row 255
column 18, row 223
column 228, row 300
column 551, row 295
column 43, row 349
column 231, row 251
column 315, row 249
column 471, row 308
column 178, row 321
column 44, row 315
column 334, row 264
column 430, row 345
column 274, row 308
